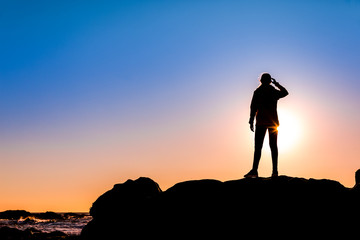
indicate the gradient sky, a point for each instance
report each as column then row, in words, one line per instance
column 93, row 93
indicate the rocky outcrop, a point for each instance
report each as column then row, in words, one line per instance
column 18, row 214
column 284, row 206
column 14, row 214
column 115, row 203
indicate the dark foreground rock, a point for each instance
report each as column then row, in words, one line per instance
column 285, row 207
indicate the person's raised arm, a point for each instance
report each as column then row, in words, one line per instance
column 283, row 92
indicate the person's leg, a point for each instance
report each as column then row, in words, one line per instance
column 260, row 132
column 273, row 133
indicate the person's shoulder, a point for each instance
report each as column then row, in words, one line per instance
column 257, row 91
column 270, row 88
column 259, row 88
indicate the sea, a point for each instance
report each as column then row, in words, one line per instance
column 71, row 223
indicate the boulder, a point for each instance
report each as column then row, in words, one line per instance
column 129, row 206
column 7, row 233
column 14, row 214
column 126, row 198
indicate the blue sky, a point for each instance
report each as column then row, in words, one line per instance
column 132, row 71
column 64, row 57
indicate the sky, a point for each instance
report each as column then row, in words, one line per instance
column 93, row 93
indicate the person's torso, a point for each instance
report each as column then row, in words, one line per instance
column 267, row 97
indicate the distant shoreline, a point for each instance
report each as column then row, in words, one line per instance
column 18, row 214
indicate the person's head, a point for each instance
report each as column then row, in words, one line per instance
column 265, row 78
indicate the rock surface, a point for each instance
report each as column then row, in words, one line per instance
column 263, row 207
column 18, row 214
column 14, row 214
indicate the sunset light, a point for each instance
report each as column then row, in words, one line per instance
column 290, row 131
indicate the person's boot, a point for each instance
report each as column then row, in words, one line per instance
column 274, row 174
column 252, row 174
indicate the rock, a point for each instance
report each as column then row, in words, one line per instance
column 56, row 234
column 7, row 233
column 32, row 231
column 125, row 198
column 127, row 206
column 49, row 215
column 14, row 214
column 204, row 209
column 355, row 191
column 357, row 177
column 71, row 215
column 17, row 214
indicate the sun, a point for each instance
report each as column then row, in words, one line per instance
column 289, row 131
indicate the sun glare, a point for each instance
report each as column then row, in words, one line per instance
column 289, row 130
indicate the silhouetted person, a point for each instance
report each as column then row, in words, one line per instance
column 264, row 108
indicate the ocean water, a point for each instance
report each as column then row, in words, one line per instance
column 72, row 224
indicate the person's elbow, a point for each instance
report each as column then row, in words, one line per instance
column 284, row 93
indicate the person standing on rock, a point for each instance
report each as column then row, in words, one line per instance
column 264, row 108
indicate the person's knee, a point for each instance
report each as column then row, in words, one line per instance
column 258, row 146
column 273, row 146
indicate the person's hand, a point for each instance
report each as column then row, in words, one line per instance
column 251, row 126
column 274, row 82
